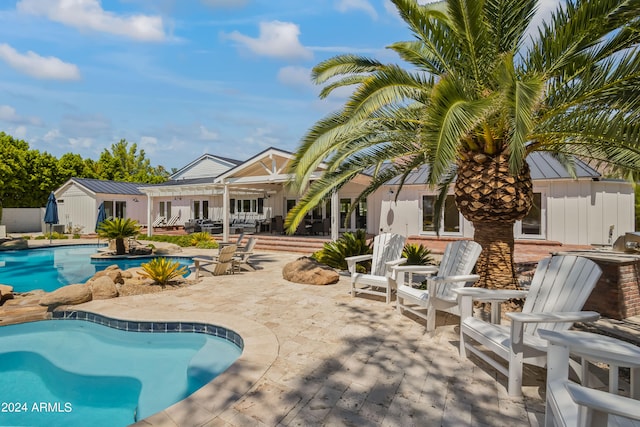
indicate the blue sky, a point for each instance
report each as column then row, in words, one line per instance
column 178, row 77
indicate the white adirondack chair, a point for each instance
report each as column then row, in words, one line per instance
column 578, row 405
column 454, row 272
column 387, row 252
column 559, row 289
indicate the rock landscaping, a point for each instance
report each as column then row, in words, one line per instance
column 109, row 283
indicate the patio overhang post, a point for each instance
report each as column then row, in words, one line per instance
column 149, row 215
column 335, row 215
column 225, row 213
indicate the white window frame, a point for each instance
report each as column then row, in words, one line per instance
column 517, row 227
column 460, row 231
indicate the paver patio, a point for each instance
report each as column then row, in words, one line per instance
column 316, row 356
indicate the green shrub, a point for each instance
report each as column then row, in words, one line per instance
column 203, row 240
column 162, row 270
column 182, row 241
column 333, row 254
column 417, row 254
column 76, row 236
column 26, row 237
column 55, row 236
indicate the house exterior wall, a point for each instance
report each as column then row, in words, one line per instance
column 206, row 167
column 573, row 211
column 78, row 208
column 581, row 212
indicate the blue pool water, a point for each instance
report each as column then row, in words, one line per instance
column 53, row 267
column 78, row 373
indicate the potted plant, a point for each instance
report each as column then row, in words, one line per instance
column 119, row 229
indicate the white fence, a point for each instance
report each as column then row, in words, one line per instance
column 23, row 220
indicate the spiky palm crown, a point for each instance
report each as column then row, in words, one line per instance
column 477, row 85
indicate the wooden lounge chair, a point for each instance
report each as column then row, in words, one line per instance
column 387, row 252
column 159, row 221
column 173, row 222
column 215, row 265
column 454, row 272
column 559, row 289
column 242, row 255
column 572, row 404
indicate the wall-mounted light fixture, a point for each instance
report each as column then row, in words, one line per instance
column 135, row 199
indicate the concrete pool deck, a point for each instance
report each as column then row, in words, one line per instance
column 316, row 356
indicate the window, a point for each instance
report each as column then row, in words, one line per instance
column 121, row 209
column 532, row 223
column 115, row 209
column 361, row 215
column 108, row 208
column 291, row 203
column 345, row 205
column 205, row 209
column 165, row 209
column 450, row 221
column 196, row 209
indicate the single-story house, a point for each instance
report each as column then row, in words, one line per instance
column 586, row 210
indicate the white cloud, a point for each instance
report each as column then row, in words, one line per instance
column 51, row 135
column 19, row 132
column 277, row 39
column 89, row 15
column 149, row 144
column 37, row 66
column 81, row 142
column 208, row 135
column 297, row 77
column 363, row 5
column 225, row 3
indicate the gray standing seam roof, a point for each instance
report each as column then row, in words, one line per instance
column 109, row 187
column 542, row 165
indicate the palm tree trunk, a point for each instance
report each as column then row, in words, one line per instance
column 495, row 264
column 120, row 248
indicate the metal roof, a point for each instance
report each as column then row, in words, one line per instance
column 542, row 165
column 173, row 182
column 109, row 187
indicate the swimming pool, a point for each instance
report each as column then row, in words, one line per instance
column 52, row 267
column 79, row 373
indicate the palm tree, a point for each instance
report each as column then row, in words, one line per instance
column 480, row 96
column 119, row 229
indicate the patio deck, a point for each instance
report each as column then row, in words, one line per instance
column 316, row 356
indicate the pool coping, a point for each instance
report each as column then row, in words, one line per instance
column 260, row 350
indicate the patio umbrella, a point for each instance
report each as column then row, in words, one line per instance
column 102, row 215
column 51, row 213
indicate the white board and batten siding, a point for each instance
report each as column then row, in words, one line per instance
column 578, row 212
column 581, row 212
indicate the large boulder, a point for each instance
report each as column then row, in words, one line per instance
column 113, row 272
column 14, row 244
column 310, row 272
column 67, row 295
column 6, row 292
column 103, row 288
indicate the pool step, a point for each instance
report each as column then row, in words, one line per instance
column 282, row 243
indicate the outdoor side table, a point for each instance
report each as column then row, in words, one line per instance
column 401, row 270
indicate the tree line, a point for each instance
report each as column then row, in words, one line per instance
column 27, row 176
